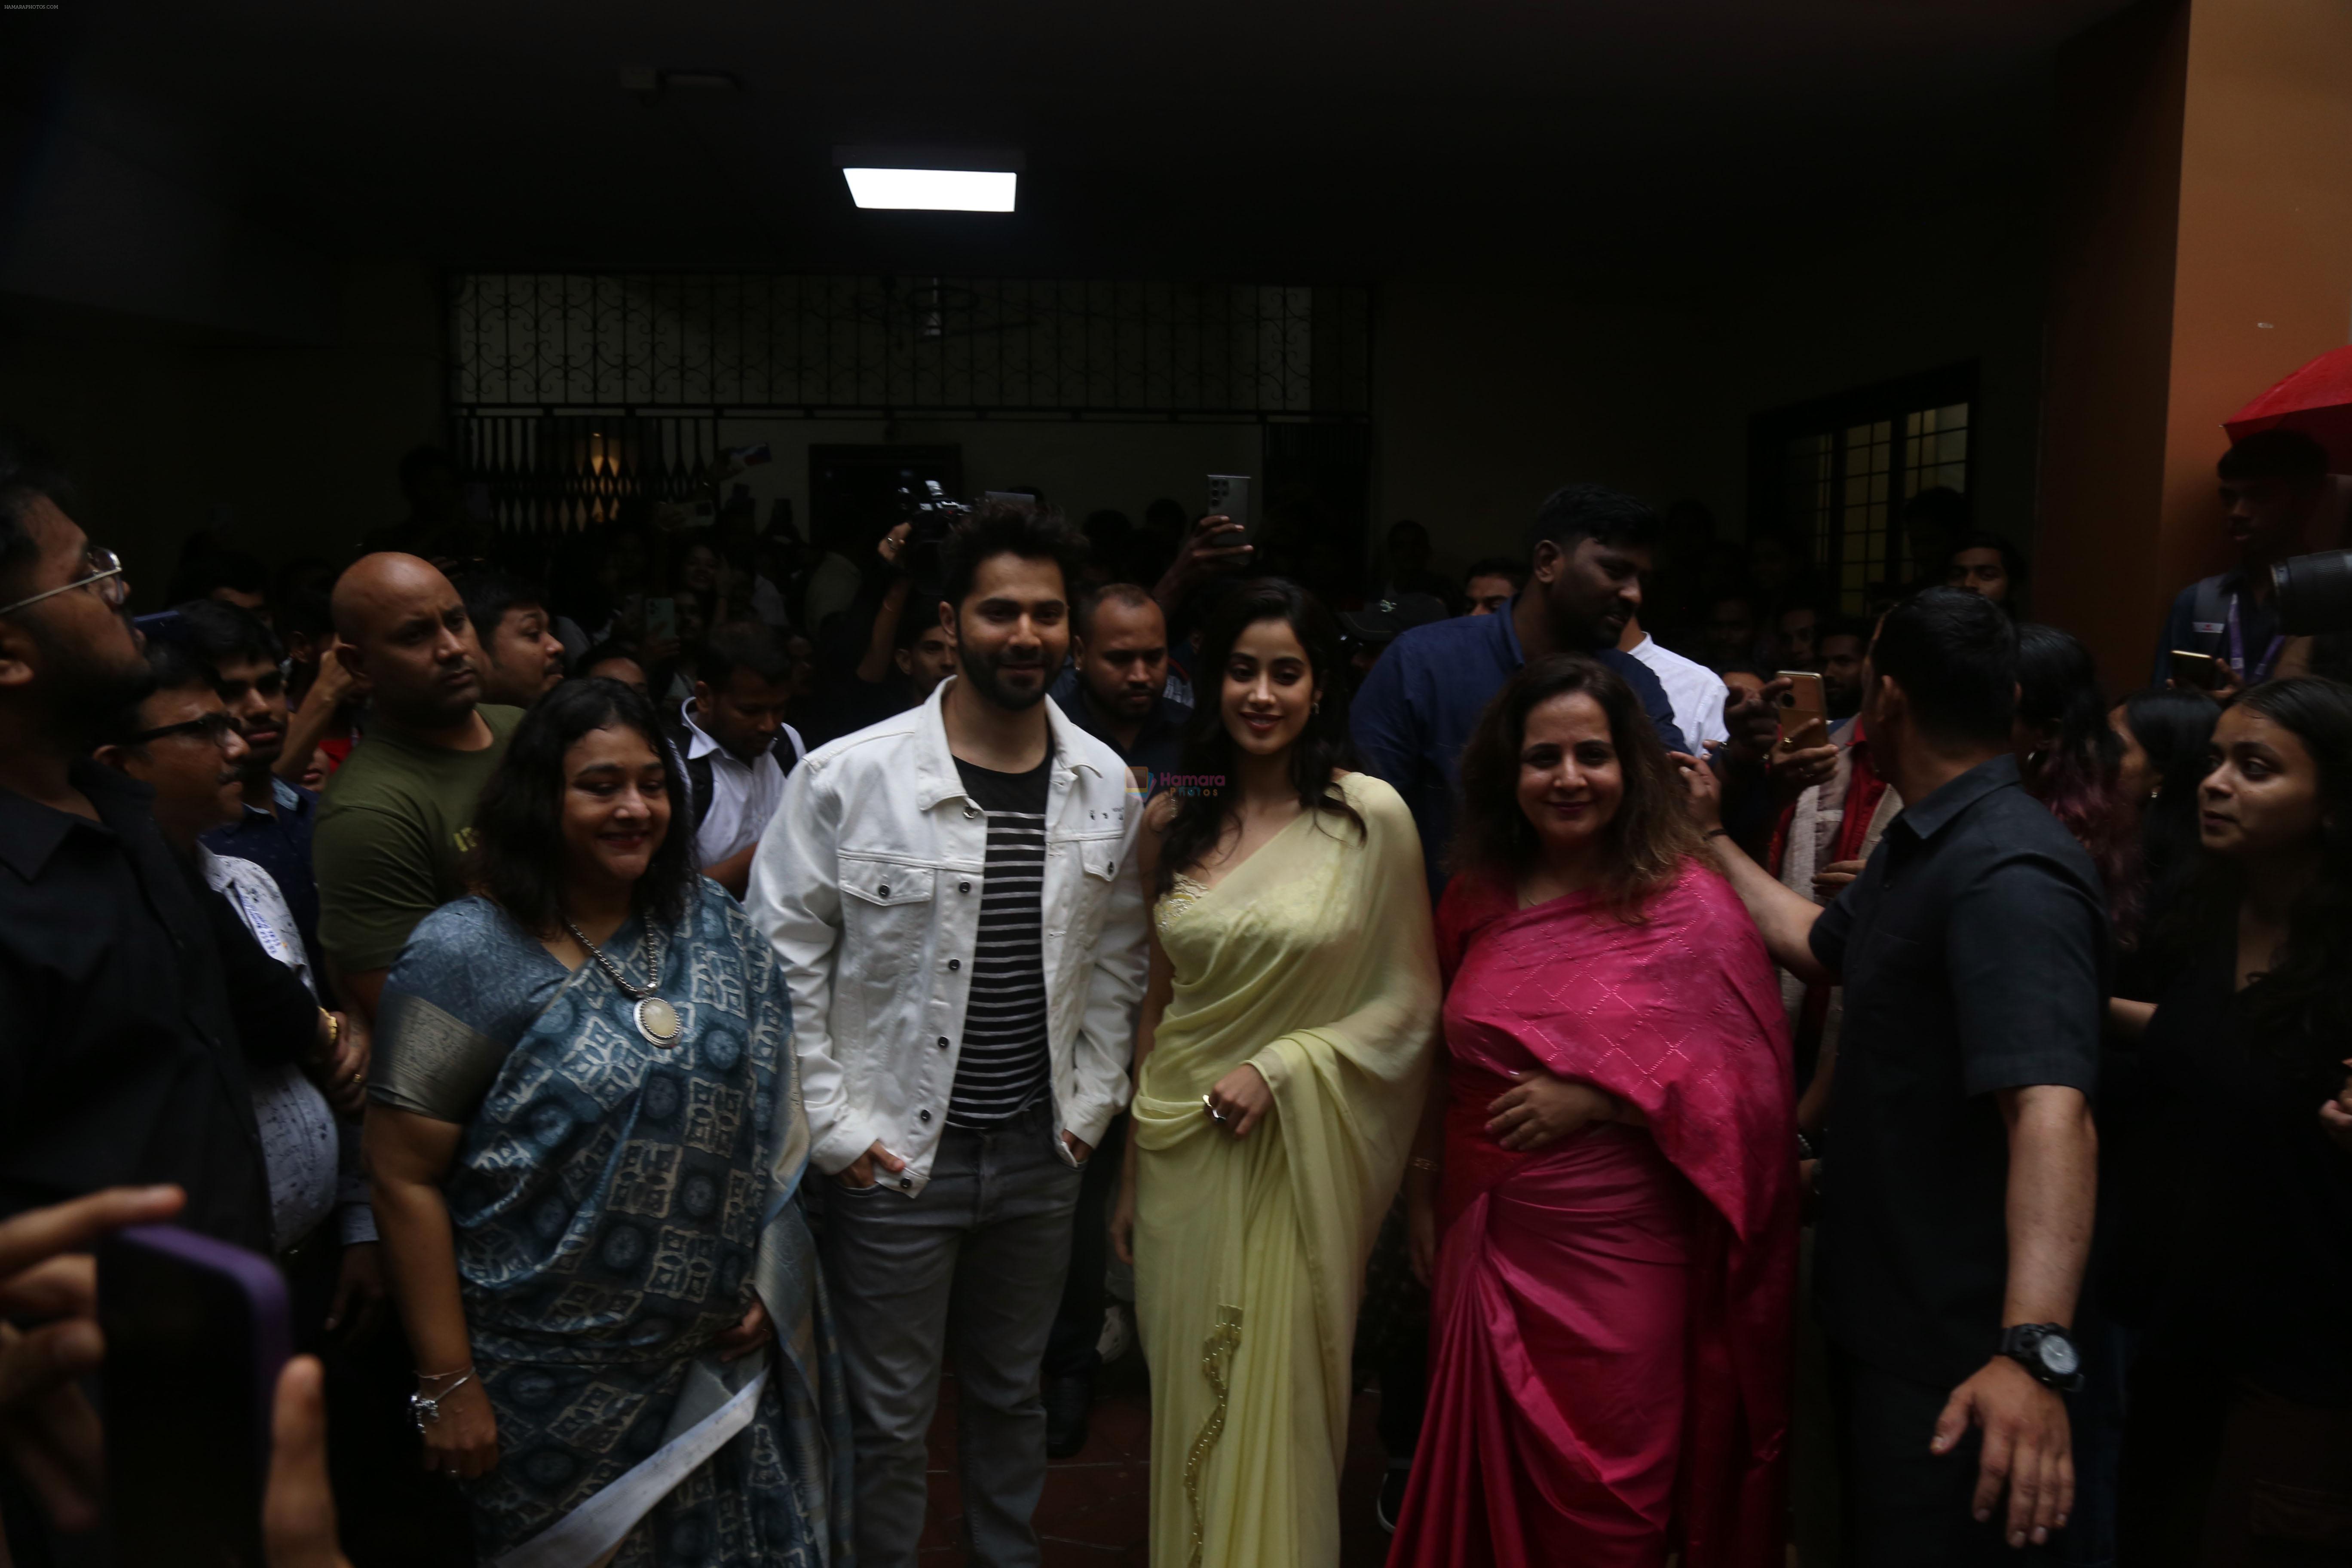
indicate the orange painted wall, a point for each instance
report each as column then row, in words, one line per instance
column 2264, row 266
column 2202, row 248
column 2107, row 338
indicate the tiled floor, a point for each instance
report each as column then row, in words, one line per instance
column 1095, row 1511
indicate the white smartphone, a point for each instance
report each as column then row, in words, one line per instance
column 1229, row 496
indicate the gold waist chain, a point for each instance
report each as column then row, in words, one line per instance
column 1217, row 1352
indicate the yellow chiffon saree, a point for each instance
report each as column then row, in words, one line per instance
column 1312, row 960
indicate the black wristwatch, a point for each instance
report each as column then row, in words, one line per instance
column 2043, row 1349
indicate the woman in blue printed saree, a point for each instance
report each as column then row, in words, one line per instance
column 586, row 1122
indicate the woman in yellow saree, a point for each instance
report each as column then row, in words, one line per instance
column 1285, row 1042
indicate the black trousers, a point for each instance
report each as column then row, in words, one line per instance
column 1070, row 1350
column 1905, row 1506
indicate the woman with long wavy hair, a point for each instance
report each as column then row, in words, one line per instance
column 2163, row 736
column 2070, row 759
column 2240, row 1444
column 1605, row 1186
column 1279, row 1063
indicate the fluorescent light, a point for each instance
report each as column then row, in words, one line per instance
column 932, row 190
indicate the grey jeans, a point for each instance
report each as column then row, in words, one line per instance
column 973, row 1264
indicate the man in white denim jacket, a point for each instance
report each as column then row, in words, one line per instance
column 953, row 895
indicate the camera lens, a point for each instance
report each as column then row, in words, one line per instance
column 2315, row 593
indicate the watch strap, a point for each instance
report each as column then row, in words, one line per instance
column 2022, row 1343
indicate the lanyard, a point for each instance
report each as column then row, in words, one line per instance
column 2238, row 651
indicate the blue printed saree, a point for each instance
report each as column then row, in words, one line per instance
column 615, row 1205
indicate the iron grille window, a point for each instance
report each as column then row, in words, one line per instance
column 773, row 342
column 566, row 471
column 574, row 394
column 1833, row 476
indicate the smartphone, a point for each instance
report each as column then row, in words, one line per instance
column 661, row 620
column 2197, row 671
column 1229, row 496
column 197, row 1333
column 1804, row 710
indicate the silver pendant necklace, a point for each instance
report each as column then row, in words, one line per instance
column 657, row 1019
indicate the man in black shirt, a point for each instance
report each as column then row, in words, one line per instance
column 1116, row 687
column 131, row 994
column 1956, row 1190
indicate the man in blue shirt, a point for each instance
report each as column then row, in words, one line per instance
column 1590, row 545
column 2272, row 486
column 275, row 831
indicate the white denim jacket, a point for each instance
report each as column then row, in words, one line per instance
column 867, row 880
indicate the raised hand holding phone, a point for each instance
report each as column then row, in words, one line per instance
column 1215, row 544
column 1804, row 710
column 1229, row 497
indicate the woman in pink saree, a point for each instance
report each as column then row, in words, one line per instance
column 1607, row 1172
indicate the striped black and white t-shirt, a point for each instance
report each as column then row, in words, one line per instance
column 1004, row 1065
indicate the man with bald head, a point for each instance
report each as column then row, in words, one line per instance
column 395, row 820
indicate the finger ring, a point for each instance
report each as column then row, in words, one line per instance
column 1211, row 1107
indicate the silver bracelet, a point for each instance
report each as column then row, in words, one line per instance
column 426, row 1411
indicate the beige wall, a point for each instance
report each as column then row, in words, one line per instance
column 1082, row 465
column 1492, row 394
column 1489, row 394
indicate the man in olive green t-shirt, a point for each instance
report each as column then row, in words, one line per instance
column 395, row 820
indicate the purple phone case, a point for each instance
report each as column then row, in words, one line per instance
column 256, row 1279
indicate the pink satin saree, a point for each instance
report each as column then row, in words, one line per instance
column 1610, row 1319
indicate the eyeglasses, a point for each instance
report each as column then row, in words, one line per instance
column 104, row 578
column 213, row 727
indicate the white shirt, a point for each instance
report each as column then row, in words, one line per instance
column 743, row 795
column 767, row 603
column 1696, row 691
column 833, row 588
column 870, row 883
column 311, row 1165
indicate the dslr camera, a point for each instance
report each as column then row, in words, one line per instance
column 930, row 515
column 2315, row 593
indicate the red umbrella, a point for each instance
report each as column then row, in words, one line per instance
column 2316, row 400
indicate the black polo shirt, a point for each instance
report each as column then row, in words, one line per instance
column 129, row 996
column 1159, row 745
column 1973, row 950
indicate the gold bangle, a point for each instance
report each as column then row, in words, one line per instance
column 334, row 1030
column 1423, row 1162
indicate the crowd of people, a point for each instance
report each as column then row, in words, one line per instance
column 662, row 1002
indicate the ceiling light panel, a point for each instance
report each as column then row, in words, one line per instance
column 932, row 190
